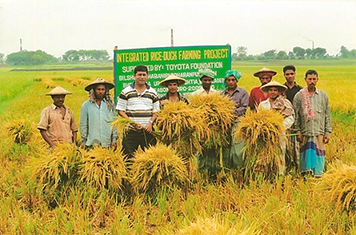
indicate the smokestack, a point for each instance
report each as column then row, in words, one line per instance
column 172, row 44
column 20, row 44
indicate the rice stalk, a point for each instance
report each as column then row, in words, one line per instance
column 102, row 168
column 159, row 166
column 122, row 125
column 20, row 131
column 262, row 132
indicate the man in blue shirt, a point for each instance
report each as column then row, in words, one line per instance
column 96, row 116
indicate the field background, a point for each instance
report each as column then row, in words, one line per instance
column 291, row 205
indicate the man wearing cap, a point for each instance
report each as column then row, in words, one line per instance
column 206, row 78
column 313, row 125
column 256, row 95
column 57, row 120
column 96, row 115
column 233, row 155
column 172, row 82
column 276, row 101
column 139, row 103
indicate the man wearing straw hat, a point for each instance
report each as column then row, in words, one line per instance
column 313, row 125
column 276, row 101
column 57, row 120
column 206, row 77
column 256, row 95
column 96, row 115
column 172, row 82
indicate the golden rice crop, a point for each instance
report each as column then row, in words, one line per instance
column 217, row 113
column 102, row 168
column 214, row 226
column 181, row 126
column 55, row 168
column 340, row 185
column 20, row 130
column 159, row 166
column 48, row 83
column 262, row 132
column 122, row 125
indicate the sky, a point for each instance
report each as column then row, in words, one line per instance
column 57, row 26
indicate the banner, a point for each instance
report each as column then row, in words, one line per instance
column 181, row 61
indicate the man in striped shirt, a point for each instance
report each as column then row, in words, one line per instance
column 138, row 102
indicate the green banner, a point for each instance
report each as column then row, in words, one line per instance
column 181, row 61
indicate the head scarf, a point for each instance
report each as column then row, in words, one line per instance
column 206, row 73
column 234, row 73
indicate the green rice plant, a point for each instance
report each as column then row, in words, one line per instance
column 54, row 169
column 262, row 132
column 340, row 185
column 181, row 126
column 20, row 130
column 217, row 113
column 102, row 168
column 215, row 226
column 158, row 167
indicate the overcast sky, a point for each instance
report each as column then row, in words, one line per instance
column 56, row 26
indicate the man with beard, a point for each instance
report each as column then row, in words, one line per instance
column 256, row 95
column 96, row 115
column 206, row 78
column 57, row 120
column 172, row 82
column 313, row 125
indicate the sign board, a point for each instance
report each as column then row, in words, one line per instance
column 163, row 61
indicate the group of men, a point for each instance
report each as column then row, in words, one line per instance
column 306, row 112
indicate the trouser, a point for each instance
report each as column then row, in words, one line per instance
column 135, row 138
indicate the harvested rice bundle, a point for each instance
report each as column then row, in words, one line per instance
column 79, row 82
column 159, row 166
column 48, row 83
column 20, row 131
column 262, row 132
column 122, row 125
column 340, row 186
column 217, row 113
column 181, row 126
column 102, row 168
column 55, row 169
column 216, row 227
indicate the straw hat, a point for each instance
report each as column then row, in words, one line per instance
column 58, row 90
column 206, row 72
column 172, row 78
column 264, row 70
column 265, row 87
column 99, row 81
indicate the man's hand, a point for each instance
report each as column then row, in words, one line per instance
column 114, row 145
column 149, row 127
column 83, row 146
column 300, row 137
column 326, row 138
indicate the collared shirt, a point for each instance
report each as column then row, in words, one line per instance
column 165, row 99
column 240, row 97
column 138, row 107
column 288, row 120
column 256, row 96
column 291, row 92
column 95, row 124
column 201, row 91
column 320, row 124
column 58, row 128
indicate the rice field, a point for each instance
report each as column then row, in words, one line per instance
column 287, row 205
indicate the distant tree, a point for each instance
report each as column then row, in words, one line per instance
column 282, row 55
column 85, row 55
column 1, row 58
column 30, row 58
column 291, row 55
column 270, row 55
column 309, row 53
column 299, row 52
column 319, row 52
column 344, row 52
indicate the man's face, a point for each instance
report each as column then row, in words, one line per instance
column 311, row 81
column 172, row 87
column 206, row 82
column 99, row 92
column 289, row 75
column 231, row 82
column 265, row 79
column 273, row 92
column 141, row 77
column 58, row 100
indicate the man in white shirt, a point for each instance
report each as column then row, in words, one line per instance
column 206, row 78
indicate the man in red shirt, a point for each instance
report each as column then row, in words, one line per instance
column 256, row 95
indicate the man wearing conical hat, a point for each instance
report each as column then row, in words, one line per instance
column 256, row 95
column 278, row 102
column 206, row 77
column 57, row 122
column 172, row 82
column 96, row 115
